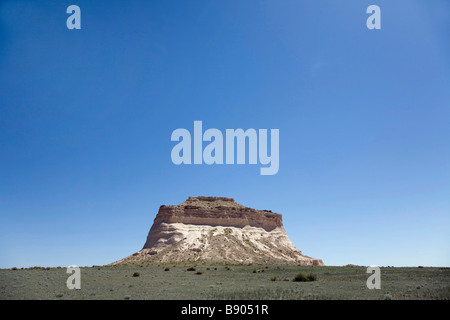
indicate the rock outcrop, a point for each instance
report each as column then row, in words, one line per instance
column 217, row 230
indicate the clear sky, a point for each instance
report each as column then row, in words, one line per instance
column 86, row 118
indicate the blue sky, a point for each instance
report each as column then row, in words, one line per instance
column 86, row 118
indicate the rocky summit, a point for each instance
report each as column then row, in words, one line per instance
column 217, row 230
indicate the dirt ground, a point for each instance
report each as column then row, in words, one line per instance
column 169, row 282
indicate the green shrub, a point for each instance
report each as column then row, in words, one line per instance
column 304, row 278
column 312, row 277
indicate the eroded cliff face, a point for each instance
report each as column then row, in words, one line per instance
column 212, row 211
column 218, row 230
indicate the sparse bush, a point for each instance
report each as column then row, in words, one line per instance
column 304, row 278
column 300, row 278
column 136, row 274
column 190, row 269
column 312, row 277
column 229, row 268
column 273, row 279
column 167, row 269
column 199, row 272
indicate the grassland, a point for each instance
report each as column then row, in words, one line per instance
column 224, row 282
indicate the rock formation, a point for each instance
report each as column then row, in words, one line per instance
column 217, row 230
